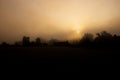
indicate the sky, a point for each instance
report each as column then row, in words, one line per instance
column 60, row 19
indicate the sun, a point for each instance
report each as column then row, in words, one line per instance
column 78, row 31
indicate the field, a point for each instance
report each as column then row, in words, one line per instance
column 57, row 56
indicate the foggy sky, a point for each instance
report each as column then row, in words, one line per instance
column 61, row 19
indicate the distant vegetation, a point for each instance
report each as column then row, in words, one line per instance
column 89, row 49
column 102, row 39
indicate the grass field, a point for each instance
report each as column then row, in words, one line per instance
column 59, row 58
column 38, row 55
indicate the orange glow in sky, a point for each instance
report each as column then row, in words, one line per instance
column 61, row 19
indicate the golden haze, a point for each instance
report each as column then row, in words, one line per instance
column 61, row 19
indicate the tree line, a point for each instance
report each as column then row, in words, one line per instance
column 102, row 39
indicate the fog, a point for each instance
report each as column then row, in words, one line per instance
column 61, row 19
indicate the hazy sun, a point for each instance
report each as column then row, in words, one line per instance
column 77, row 28
column 78, row 31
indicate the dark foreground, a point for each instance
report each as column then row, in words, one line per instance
column 60, row 57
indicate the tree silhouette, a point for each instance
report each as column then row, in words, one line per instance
column 87, row 39
column 38, row 42
column 26, row 41
column 104, row 37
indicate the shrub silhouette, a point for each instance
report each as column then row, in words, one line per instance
column 4, row 44
column 52, row 42
column 18, row 43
